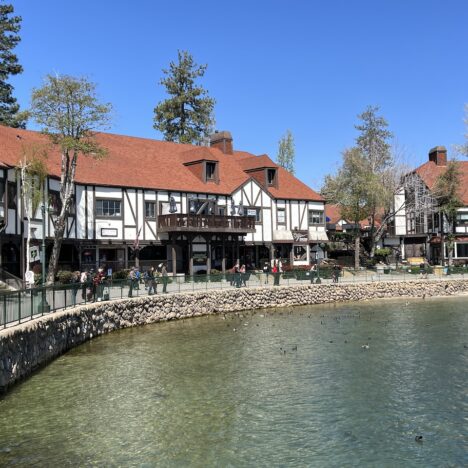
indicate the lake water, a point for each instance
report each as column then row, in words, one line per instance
column 236, row 392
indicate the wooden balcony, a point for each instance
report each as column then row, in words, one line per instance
column 205, row 223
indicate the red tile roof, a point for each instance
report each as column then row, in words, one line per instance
column 145, row 163
column 333, row 212
column 256, row 162
column 430, row 171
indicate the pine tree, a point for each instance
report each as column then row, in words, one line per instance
column 286, row 152
column 373, row 144
column 9, row 28
column 187, row 116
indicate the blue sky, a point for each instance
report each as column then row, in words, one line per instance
column 305, row 65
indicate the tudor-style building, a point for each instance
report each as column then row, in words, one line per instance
column 418, row 226
column 198, row 208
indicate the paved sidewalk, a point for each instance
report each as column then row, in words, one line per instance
column 24, row 306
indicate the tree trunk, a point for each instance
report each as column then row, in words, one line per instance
column 357, row 246
column 28, row 243
column 54, row 257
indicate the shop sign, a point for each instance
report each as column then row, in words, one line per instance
column 300, row 236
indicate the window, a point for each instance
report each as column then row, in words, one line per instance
column 2, row 192
column 55, row 204
column 281, row 216
column 271, row 176
column 462, row 218
column 255, row 212
column 108, row 208
column 150, row 209
column 436, row 220
column 210, row 171
column 11, row 187
column 462, row 250
column 221, row 211
column 316, row 217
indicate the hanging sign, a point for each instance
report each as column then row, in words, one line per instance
column 34, row 253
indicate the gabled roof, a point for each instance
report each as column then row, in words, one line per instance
column 430, row 171
column 151, row 164
column 257, row 162
column 333, row 213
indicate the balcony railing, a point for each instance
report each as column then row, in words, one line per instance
column 207, row 223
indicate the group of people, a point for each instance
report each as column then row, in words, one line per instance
column 274, row 268
column 91, row 283
column 238, row 276
column 151, row 277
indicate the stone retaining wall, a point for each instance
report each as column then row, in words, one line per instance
column 28, row 346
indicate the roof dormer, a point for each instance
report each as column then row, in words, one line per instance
column 262, row 169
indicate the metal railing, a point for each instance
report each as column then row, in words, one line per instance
column 27, row 304
column 11, row 280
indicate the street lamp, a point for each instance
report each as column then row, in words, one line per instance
column 43, row 306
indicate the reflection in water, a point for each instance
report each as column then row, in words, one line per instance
column 288, row 387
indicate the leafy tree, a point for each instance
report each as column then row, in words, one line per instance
column 187, row 115
column 286, row 152
column 351, row 190
column 31, row 172
column 69, row 111
column 446, row 191
column 9, row 28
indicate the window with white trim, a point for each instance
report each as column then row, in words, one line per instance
column 108, row 208
column 316, row 217
column 281, row 216
column 150, row 209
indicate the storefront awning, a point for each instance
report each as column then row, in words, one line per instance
column 310, row 236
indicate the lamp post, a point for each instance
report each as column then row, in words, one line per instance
column 43, row 306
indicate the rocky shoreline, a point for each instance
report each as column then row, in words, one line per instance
column 30, row 345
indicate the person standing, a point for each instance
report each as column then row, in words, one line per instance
column 84, row 283
column 131, row 280
column 266, row 271
column 164, row 277
column 276, row 272
column 152, row 285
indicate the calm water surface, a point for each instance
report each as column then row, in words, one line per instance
column 198, row 393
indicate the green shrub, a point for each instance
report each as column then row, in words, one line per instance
column 121, row 274
column 64, row 276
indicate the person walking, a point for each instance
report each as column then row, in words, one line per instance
column 242, row 276
column 164, row 277
column 75, row 280
column 313, row 272
column 152, row 285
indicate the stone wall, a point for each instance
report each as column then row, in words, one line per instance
column 28, row 346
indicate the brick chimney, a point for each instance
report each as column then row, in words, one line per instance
column 438, row 155
column 222, row 141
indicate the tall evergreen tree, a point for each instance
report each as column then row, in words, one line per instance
column 286, row 152
column 373, row 144
column 9, row 28
column 187, row 115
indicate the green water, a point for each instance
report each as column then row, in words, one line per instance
column 198, row 393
